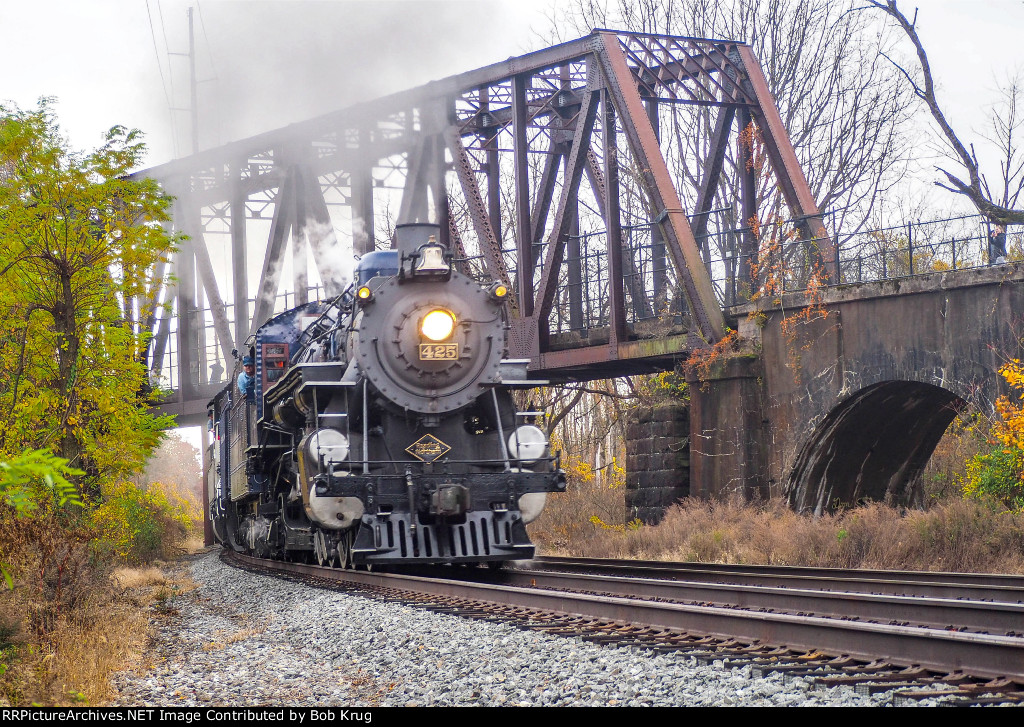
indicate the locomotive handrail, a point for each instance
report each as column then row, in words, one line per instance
column 483, row 462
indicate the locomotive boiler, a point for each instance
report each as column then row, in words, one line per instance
column 380, row 427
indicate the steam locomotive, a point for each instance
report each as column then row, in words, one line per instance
column 380, row 427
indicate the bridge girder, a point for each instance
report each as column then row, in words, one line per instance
column 486, row 154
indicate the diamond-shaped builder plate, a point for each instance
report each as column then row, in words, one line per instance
column 428, row 448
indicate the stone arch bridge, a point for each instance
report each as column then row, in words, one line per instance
column 848, row 403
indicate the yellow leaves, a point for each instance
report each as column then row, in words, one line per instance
column 634, row 524
column 582, row 471
column 134, row 521
column 1009, row 431
column 999, row 472
column 662, row 386
column 76, row 236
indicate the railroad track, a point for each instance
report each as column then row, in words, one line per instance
column 825, row 624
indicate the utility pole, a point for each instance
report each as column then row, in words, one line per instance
column 192, row 82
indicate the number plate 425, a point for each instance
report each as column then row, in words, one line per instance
column 439, row 351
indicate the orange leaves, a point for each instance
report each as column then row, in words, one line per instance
column 999, row 473
column 702, row 361
column 1010, row 430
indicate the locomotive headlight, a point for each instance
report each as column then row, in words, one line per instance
column 527, row 443
column 437, row 325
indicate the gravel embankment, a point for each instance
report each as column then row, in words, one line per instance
column 244, row 640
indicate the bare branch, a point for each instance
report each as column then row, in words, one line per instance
column 976, row 189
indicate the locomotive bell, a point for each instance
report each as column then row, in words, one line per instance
column 418, row 243
column 430, row 259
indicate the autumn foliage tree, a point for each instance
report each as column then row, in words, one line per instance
column 999, row 472
column 79, row 244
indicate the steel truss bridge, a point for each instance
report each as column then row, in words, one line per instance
column 611, row 276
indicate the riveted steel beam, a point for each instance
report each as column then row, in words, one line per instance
column 790, row 176
column 489, row 245
column 575, row 161
column 518, row 136
column 682, row 246
column 270, row 276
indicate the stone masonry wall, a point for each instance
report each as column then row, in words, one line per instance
column 657, row 460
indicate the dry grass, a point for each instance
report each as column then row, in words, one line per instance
column 131, row 578
column 950, row 534
column 69, row 661
column 956, row 535
column 85, row 655
column 194, row 541
column 241, row 635
column 566, row 519
column 71, row 619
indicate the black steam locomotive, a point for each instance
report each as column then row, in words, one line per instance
column 379, row 427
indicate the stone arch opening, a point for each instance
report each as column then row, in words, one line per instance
column 872, row 446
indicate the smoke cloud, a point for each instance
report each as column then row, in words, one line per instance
column 333, row 258
column 276, row 63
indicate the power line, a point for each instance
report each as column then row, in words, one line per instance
column 163, row 81
column 213, row 68
column 167, row 46
column 209, row 47
column 170, row 69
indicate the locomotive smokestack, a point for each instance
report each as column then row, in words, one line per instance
column 409, row 237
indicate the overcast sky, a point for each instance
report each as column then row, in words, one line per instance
column 260, row 65
column 265, row 64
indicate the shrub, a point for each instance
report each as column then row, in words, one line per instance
column 589, row 505
column 998, row 473
column 139, row 524
column 956, row 535
column 944, row 474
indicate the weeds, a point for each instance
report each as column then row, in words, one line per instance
column 956, row 535
column 589, row 503
column 69, row 618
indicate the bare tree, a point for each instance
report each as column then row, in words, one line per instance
column 1006, row 119
column 844, row 106
column 1000, row 207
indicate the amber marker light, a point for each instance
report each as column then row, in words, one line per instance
column 499, row 291
column 437, row 325
column 364, row 294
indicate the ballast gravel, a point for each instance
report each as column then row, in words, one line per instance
column 249, row 640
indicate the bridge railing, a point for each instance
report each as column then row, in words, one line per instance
column 654, row 304
column 786, row 263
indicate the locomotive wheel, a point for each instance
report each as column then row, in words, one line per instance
column 320, row 549
column 345, row 549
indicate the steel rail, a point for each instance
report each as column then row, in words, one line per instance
column 973, row 586
column 943, row 613
column 980, row 655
